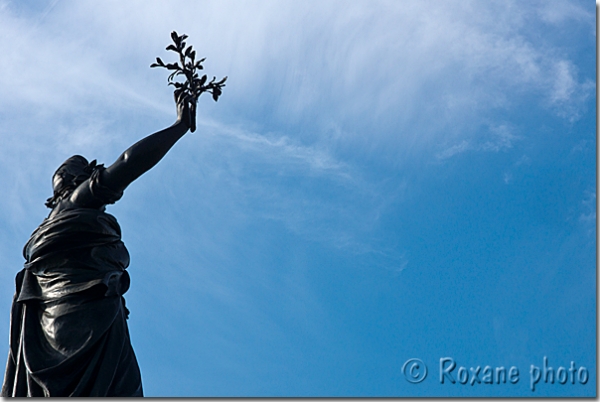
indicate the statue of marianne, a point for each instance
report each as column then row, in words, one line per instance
column 68, row 328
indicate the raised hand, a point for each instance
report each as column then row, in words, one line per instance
column 186, row 111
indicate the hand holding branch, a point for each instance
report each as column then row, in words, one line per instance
column 184, row 113
column 194, row 85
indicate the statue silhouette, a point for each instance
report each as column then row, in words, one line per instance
column 68, row 332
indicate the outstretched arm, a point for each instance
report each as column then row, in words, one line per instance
column 138, row 159
column 146, row 153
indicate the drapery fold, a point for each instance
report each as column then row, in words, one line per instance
column 69, row 334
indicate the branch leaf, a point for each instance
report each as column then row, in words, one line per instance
column 193, row 86
column 216, row 93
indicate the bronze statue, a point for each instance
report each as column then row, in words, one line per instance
column 68, row 333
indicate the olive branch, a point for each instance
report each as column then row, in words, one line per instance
column 194, row 85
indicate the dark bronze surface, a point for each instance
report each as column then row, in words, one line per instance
column 68, row 334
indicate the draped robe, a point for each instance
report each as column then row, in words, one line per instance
column 68, row 328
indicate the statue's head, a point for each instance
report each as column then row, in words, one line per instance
column 68, row 176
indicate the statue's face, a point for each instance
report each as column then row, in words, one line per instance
column 71, row 171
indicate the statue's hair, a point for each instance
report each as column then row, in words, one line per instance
column 68, row 176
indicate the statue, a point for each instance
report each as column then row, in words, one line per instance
column 68, row 333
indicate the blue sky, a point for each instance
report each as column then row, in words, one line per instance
column 380, row 181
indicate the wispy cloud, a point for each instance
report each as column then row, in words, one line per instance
column 498, row 138
column 568, row 94
column 283, row 151
column 378, row 70
column 304, row 187
column 455, row 150
column 560, row 11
